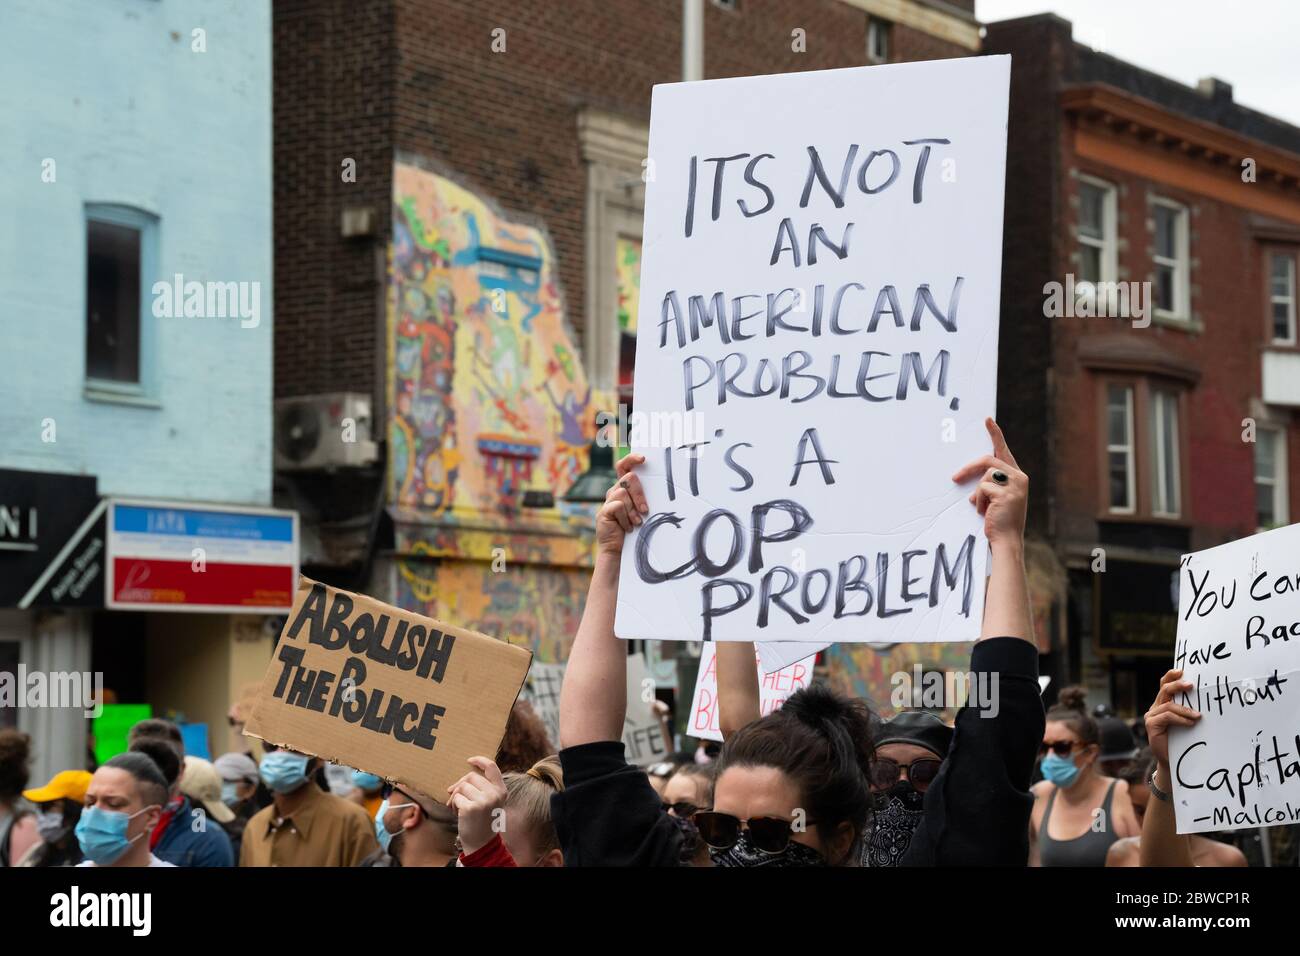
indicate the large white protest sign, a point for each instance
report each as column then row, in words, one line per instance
column 774, row 688
column 1239, row 645
column 819, row 315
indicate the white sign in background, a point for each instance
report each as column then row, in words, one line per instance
column 819, row 309
column 1239, row 645
column 774, row 689
column 642, row 730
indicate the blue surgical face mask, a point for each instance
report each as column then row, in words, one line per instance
column 381, row 831
column 229, row 792
column 366, row 781
column 282, row 771
column 102, row 834
column 1059, row 770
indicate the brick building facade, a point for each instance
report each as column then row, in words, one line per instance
column 1155, row 439
column 475, row 279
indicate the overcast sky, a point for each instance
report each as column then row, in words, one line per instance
column 1252, row 44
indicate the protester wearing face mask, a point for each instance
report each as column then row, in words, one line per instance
column 366, row 791
column 183, row 836
column 910, row 750
column 688, row 791
column 242, row 791
column 413, row 830
column 58, row 808
column 973, row 807
column 123, row 802
column 304, row 825
column 1078, row 813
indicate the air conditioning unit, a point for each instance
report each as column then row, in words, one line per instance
column 323, row 432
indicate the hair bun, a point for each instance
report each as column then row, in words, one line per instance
column 835, row 717
column 1073, row 697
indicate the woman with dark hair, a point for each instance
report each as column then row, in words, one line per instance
column 1078, row 812
column 525, row 741
column 792, row 788
column 18, row 831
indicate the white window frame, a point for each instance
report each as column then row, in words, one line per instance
column 1129, row 449
column 1160, row 467
column 1109, row 241
column 1288, row 300
column 1278, row 479
column 1180, row 263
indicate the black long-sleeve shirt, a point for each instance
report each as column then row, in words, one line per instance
column 976, row 811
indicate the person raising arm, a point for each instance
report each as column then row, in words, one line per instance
column 1161, row 844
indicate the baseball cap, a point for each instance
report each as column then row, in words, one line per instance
column 200, row 781
column 235, row 766
column 64, row 785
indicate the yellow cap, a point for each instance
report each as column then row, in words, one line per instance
column 65, row 785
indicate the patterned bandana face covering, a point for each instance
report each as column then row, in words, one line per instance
column 893, row 825
column 744, row 853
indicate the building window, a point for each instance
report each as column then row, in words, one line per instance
column 121, row 257
column 1172, row 265
column 878, row 40
column 1165, row 444
column 1270, row 478
column 112, row 302
column 1119, row 449
column 1098, row 257
column 1281, row 290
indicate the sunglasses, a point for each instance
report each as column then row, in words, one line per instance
column 720, row 831
column 920, row 773
column 1062, row 748
column 683, row 808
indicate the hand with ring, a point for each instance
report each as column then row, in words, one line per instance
column 1002, row 495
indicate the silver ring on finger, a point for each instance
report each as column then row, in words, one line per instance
column 999, row 476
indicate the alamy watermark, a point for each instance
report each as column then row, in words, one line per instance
column 208, row 300
column 1086, row 300
column 939, row 690
column 56, row 689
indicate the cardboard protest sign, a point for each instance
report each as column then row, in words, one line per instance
column 407, row 697
column 816, row 354
column 774, row 689
column 643, row 736
column 543, row 692
column 1238, row 644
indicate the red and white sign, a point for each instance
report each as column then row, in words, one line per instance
column 773, row 689
column 180, row 557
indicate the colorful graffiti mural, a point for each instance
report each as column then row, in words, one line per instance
column 535, row 607
column 487, row 396
column 627, row 264
column 861, row 671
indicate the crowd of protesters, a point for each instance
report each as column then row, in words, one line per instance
column 822, row 781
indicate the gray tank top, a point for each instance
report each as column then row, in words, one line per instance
column 1087, row 850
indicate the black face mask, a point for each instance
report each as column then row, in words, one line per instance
column 690, row 837
column 744, row 853
column 898, row 813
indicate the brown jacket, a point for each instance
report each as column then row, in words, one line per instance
column 325, row 831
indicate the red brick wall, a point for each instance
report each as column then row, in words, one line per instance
column 332, row 99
